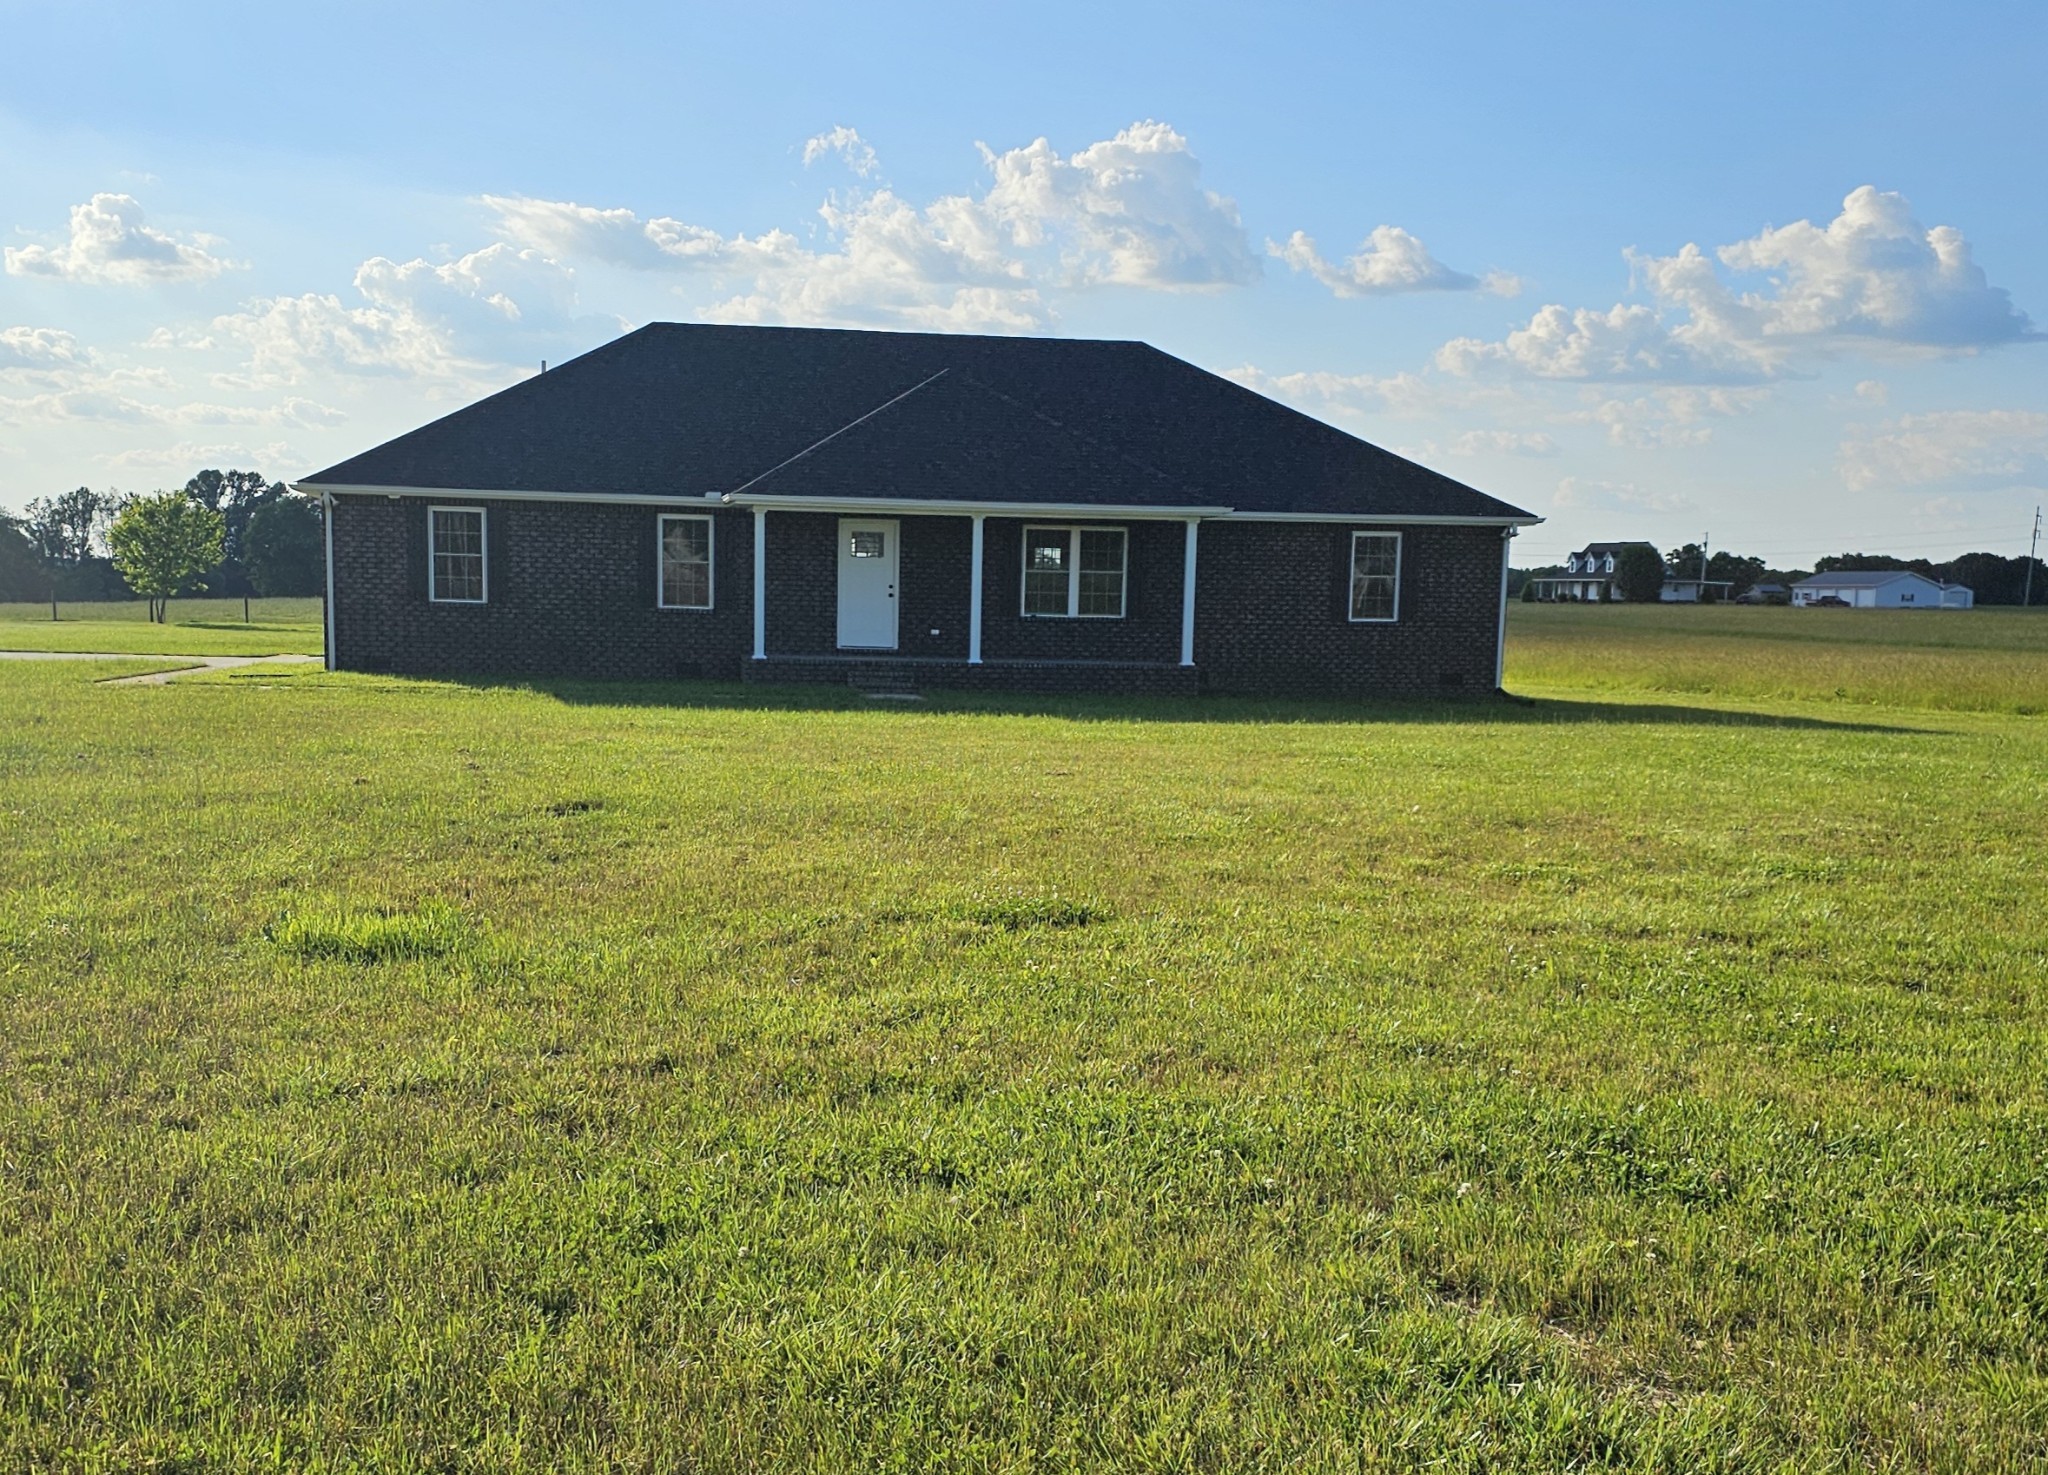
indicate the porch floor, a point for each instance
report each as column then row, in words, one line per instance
column 880, row 671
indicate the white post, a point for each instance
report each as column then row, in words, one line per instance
column 1187, row 598
column 974, row 598
column 1500, row 641
column 327, row 525
column 760, row 583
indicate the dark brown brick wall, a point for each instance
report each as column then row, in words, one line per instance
column 572, row 593
column 1148, row 631
column 1272, row 615
column 931, row 584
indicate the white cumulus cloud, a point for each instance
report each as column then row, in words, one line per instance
column 853, row 150
column 39, row 349
column 1580, row 494
column 1873, row 278
column 432, row 320
column 110, row 242
column 1665, row 417
column 1389, row 260
column 1981, row 447
column 1130, row 210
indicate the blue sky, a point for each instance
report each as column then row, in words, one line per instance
column 1772, row 272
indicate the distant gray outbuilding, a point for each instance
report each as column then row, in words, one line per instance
column 1881, row 589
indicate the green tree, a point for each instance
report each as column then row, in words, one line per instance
column 63, row 527
column 161, row 544
column 283, row 550
column 1639, row 574
column 237, row 496
column 21, row 576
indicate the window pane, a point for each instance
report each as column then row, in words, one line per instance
column 1102, row 572
column 1373, row 598
column 1102, row 552
column 1045, row 571
column 1102, row 594
column 1374, row 560
column 869, row 544
column 686, row 562
column 1045, row 593
column 458, row 555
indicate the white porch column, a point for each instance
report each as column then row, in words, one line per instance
column 760, row 583
column 1187, row 597
column 974, row 598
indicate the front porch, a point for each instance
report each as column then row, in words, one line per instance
column 1068, row 599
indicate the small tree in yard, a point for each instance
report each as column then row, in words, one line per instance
column 162, row 543
column 1639, row 574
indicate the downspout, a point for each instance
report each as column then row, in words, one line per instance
column 1500, row 644
column 327, row 526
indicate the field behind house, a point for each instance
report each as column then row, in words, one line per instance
column 413, row 1076
column 192, row 627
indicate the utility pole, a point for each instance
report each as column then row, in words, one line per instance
column 2033, row 549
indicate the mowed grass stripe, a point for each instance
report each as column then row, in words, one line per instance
column 1581, row 1085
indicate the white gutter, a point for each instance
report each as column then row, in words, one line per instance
column 477, row 494
column 903, row 506
column 960, row 507
column 1409, row 519
column 1500, row 643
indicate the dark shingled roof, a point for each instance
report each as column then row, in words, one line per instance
column 689, row 409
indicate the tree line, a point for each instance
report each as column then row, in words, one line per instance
column 224, row 533
column 1640, row 572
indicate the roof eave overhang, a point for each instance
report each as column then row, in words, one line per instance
column 968, row 507
column 907, row 506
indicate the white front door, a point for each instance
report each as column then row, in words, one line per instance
column 867, row 584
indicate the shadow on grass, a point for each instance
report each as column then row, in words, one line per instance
column 1491, row 709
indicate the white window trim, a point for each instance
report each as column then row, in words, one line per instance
column 483, row 538
column 710, row 556
column 1073, row 530
column 1351, row 583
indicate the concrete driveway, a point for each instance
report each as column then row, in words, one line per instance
column 189, row 665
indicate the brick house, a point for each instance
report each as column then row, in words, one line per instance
column 793, row 504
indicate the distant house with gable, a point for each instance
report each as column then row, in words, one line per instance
column 1881, row 589
column 1589, row 577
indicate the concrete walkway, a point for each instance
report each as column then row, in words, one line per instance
column 191, row 665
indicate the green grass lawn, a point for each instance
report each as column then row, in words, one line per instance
column 416, row 1076
column 194, row 627
column 1965, row 660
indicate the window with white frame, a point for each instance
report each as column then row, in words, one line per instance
column 1375, row 576
column 1075, row 572
column 685, row 562
column 455, row 555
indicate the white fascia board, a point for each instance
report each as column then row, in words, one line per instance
column 1395, row 519
column 884, row 506
column 680, row 501
column 881, row 506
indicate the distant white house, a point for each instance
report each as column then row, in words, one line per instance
column 1589, row 576
column 1881, row 589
